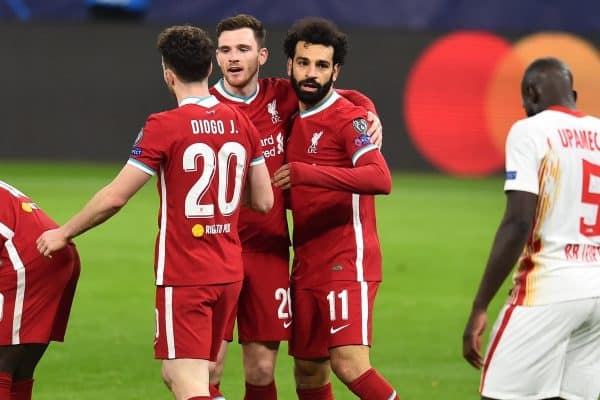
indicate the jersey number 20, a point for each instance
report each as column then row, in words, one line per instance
column 231, row 155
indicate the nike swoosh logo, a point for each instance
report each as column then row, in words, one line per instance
column 333, row 330
column 287, row 324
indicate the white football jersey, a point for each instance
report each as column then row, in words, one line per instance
column 556, row 155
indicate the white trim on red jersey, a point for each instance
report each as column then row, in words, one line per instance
column 19, row 268
column 220, row 87
column 6, row 232
column 364, row 304
column 169, row 323
column 257, row 161
column 332, row 98
column 362, row 151
column 358, row 236
column 12, row 190
column 207, row 102
column 141, row 166
column 162, row 234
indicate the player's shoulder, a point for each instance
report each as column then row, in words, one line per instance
column 529, row 125
column 592, row 120
column 273, row 87
column 275, row 83
column 4, row 194
column 162, row 116
column 10, row 191
column 537, row 128
column 343, row 110
column 524, row 132
column 335, row 110
column 547, row 120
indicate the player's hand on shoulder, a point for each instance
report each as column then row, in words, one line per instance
column 375, row 130
column 472, row 337
column 283, row 177
column 51, row 241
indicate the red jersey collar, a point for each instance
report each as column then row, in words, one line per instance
column 564, row 109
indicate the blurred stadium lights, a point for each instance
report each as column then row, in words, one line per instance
column 118, row 9
column 20, row 10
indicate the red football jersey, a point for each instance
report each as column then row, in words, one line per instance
column 21, row 223
column 201, row 152
column 270, row 108
column 335, row 232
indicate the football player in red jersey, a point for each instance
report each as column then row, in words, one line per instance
column 203, row 152
column 36, row 292
column 263, row 314
column 332, row 173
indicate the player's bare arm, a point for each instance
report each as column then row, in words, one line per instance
column 105, row 203
column 508, row 244
column 259, row 190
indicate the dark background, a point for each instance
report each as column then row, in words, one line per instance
column 77, row 84
column 82, row 91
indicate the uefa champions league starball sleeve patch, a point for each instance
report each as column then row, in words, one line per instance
column 360, row 126
column 139, row 137
column 137, row 151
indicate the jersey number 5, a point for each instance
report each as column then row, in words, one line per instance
column 220, row 163
column 590, row 170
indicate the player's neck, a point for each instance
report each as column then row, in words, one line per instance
column 195, row 89
column 242, row 91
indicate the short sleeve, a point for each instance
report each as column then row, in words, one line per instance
column 356, row 140
column 149, row 149
column 522, row 162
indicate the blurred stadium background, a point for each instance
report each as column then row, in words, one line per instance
column 79, row 77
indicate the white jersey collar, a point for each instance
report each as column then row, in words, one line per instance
column 207, row 102
column 325, row 103
column 220, row 87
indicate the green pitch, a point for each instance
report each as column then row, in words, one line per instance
column 435, row 232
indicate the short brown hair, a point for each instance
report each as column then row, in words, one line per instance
column 187, row 50
column 317, row 30
column 244, row 21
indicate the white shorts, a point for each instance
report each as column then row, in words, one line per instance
column 544, row 351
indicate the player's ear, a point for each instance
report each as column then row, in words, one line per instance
column 289, row 67
column 532, row 94
column 263, row 55
column 336, row 71
column 169, row 77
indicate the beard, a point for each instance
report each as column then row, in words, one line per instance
column 311, row 98
column 242, row 81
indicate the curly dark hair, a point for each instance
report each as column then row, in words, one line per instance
column 244, row 21
column 317, row 30
column 187, row 50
